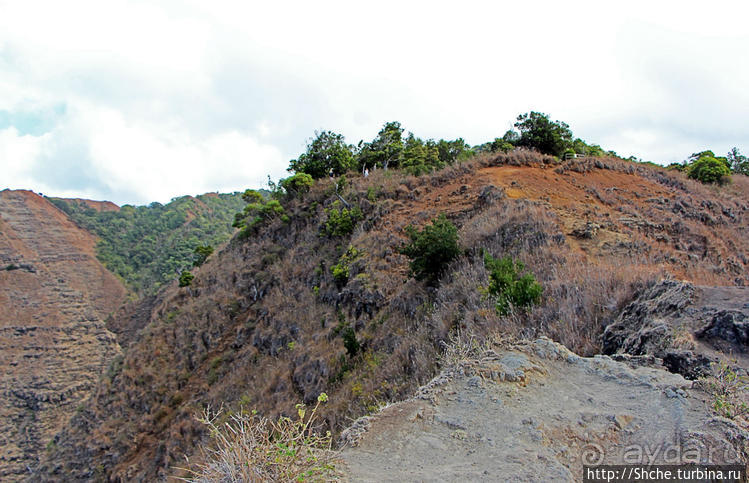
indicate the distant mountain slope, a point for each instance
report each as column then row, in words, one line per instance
column 54, row 297
column 266, row 324
column 147, row 246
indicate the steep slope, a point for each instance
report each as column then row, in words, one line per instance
column 537, row 412
column 266, row 324
column 54, row 297
column 148, row 246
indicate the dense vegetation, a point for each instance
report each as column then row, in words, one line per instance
column 511, row 290
column 708, row 168
column 148, row 246
column 432, row 248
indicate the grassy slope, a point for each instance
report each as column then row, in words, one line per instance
column 261, row 325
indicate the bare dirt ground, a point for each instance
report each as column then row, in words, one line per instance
column 537, row 412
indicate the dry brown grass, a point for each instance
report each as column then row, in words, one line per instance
column 251, row 448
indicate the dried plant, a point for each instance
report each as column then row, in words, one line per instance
column 252, row 448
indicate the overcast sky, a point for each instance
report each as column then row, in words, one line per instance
column 136, row 102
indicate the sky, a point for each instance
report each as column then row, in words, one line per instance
column 135, row 101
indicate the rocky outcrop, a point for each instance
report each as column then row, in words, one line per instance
column 683, row 326
column 643, row 326
column 537, row 412
column 54, row 296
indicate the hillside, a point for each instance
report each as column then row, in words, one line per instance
column 148, row 246
column 54, row 297
column 265, row 323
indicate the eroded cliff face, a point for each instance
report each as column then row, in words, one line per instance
column 54, row 297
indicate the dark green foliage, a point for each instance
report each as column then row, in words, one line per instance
column 512, row 290
column 186, row 278
column 580, row 147
column 327, row 154
column 738, row 162
column 385, row 150
column 147, row 246
column 500, row 144
column 349, row 341
column 12, row 266
column 432, row 248
column 453, row 151
column 297, row 185
column 708, row 169
column 539, row 132
column 259, row 211
column 202, row 252
column 420, row 157
column 341, row 220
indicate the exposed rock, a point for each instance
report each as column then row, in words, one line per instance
column 53, row 342
column 682, row 326
column 731, row 326
column 586, row 231
column 641, row 328
column 687, row 363
column 471, row 424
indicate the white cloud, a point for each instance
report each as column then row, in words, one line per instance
column 178, row 97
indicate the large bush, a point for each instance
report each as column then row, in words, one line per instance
column 512, row 291
column 708, row 169
column 341, row 220
column 432, row 248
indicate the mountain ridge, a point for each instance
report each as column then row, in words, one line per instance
column 263, row 322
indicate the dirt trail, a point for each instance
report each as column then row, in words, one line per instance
column 537, row 412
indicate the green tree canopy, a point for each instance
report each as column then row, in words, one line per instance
column 385, row 150
column 539, row 132
column 326, row 154
column 708, row 169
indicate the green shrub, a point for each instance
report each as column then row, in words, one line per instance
column 186, row 278
column 341, row 220
column 511, row 290
column 432, row 248
column 341, row 270
column 258, row 211
column 499, row 144
column 349, row 341
column 297, row 184
column 708, row 169
column 202, row 252
column 729, row 390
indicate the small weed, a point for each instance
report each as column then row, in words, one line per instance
column 729, row 391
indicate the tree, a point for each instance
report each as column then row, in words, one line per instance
column 385, row 150
column 539, row 132
column 326, row 154
column 739, row 163
column 708, row 169
column 451, row 151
